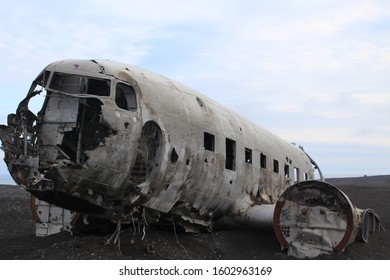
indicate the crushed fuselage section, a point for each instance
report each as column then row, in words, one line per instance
column 76, row 152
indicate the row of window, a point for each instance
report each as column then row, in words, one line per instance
column 230, row 162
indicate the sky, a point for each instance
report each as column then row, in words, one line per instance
column 315, row 73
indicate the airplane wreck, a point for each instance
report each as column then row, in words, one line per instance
column 120, row 143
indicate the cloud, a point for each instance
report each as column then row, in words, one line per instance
column 373, row 98
column 314, row 70
column 340, row 160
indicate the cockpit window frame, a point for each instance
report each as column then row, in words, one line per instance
column 87, row 85
column 128, row 100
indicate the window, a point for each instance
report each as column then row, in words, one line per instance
column 296, row 174
column 76, row 84
column 305, row 176
column 287, row 171
column 98, row 87
column 230, row 154
column 248, row 155
column 276, row 166
column 125, row 97
column 263, row 160
column 209, row 142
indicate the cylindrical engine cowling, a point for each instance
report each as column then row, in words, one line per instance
column 313, row 218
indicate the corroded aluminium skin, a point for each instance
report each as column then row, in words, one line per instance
column 182, row 176
column 116, row 142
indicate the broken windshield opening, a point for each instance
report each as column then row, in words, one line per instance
column 75, row 84
column 43, row 78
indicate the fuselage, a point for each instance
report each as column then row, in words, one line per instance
column 114, row 138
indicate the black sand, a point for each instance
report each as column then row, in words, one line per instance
column 18, row 240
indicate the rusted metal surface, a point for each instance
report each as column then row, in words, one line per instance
column 121, row 143
column 313, row 218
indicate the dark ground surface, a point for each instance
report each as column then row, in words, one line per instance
column 18, row 240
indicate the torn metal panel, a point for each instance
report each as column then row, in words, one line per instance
column 114, row 141
column 51, row 219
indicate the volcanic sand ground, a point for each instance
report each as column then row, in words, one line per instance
column 18, row 240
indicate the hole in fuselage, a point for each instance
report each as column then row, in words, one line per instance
column 174, row 156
